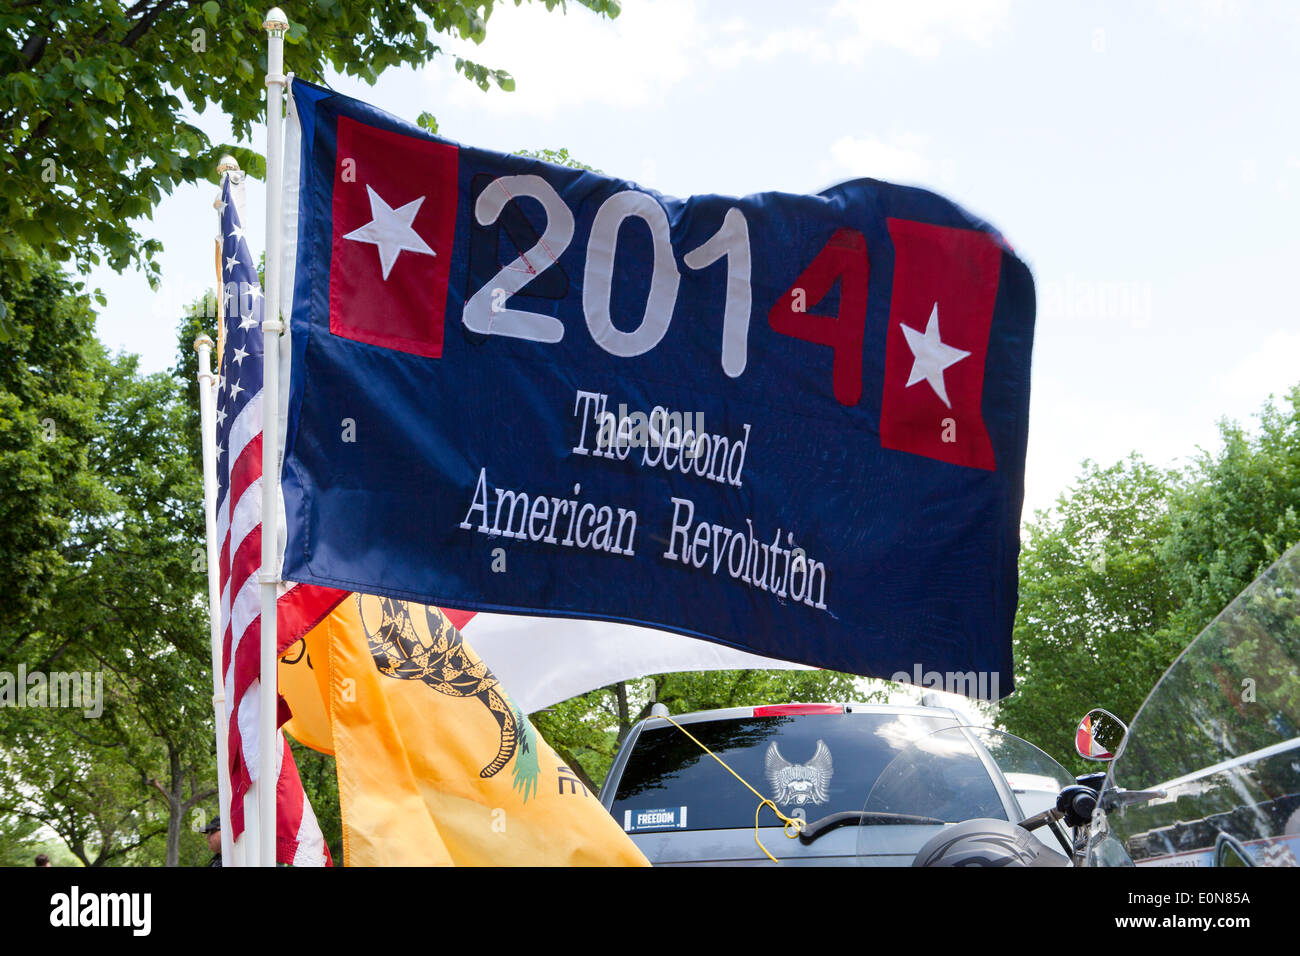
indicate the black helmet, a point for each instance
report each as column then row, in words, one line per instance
column 986, row 842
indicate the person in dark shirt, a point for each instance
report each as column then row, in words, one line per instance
column 213, row 833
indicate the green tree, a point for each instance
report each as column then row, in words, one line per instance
column 74, row 776
column 1094, row 594
column 127, row 606
column 1236, row 512
column 50, row 385
column 141, row 603
column 102, row 534
column 1232, row 517
column 1134, row 562
column 25, row 839
column 95, row 97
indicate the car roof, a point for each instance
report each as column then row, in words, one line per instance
column 737, row 713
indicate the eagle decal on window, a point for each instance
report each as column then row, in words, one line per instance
column 800, row 784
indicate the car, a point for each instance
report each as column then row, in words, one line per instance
column 904, row 771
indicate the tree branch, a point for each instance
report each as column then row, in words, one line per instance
column 159, row 787
column 145, row 22
column 34, row 49
column 197, row 799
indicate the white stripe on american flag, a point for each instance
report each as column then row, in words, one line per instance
column 246, row 612
column 246, row 721
column 240, row 610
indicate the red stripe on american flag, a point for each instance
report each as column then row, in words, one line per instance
column 248, row 661
column 246, row 469
column 291, row 811
column 302, row 608
column 244, row 472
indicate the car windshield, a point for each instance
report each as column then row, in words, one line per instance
column 809, row 765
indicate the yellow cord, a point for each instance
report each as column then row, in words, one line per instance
column 791, row 825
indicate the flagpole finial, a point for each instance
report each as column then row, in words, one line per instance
column 227, row 164
column 276, row 22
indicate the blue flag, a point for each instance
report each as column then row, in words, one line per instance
column 792, row 424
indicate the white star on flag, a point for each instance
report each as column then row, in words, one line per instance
column 235, row 389
column 236, row 233
column 239, row 356
column 230, row 262
column 391, row 231
column 931, row 356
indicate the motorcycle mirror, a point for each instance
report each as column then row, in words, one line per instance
column 1229, row 851
column 1100, row 735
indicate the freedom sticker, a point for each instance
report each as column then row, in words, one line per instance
column 662, row 819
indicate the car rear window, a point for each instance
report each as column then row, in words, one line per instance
column 670, row 783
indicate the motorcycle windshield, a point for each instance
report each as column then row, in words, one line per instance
column 1220, row 735
column 958, row 774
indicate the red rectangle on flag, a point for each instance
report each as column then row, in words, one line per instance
column 945, row 288
column 394, row 217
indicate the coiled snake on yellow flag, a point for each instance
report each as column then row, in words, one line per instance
column 428, row 648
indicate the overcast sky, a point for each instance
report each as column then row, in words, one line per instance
column 1142, row 157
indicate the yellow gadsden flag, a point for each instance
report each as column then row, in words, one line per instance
column 435, row 763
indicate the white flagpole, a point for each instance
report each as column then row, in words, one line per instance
column 208, row 432
column 268, row 735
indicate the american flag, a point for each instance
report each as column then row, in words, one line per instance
column 239, row 534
